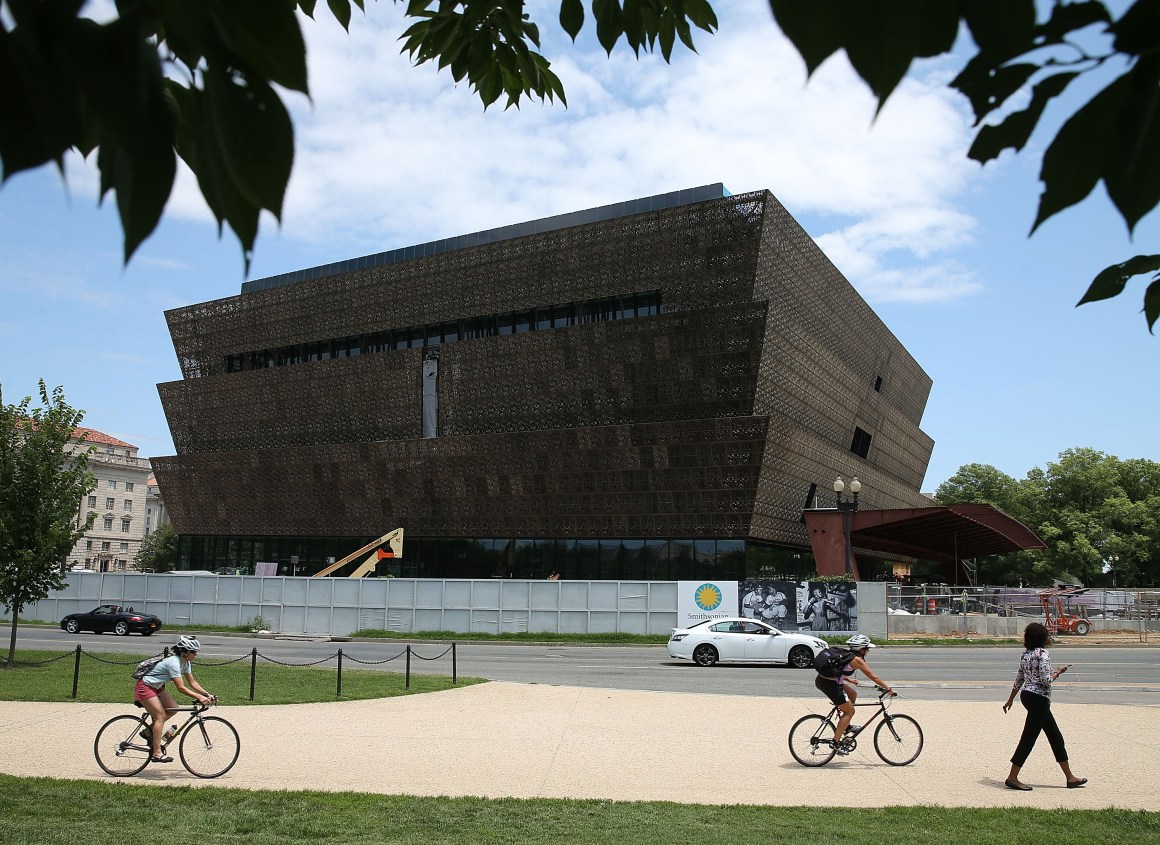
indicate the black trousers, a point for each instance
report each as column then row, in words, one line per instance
column 1039, row 718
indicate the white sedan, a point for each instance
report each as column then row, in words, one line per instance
column 737, row 640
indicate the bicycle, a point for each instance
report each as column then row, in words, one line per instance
column 209, row 745
column 898, row 740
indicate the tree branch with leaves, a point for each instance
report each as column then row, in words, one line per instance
column 198, row 79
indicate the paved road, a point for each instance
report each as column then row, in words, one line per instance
column 1108, row 675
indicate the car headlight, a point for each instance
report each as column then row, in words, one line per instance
column 819, row 644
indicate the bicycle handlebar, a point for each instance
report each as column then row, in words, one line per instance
column 196, row 707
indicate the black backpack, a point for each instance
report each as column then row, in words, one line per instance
column 830, row 661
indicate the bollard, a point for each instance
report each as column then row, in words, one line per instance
column 253, row 670
column 338, row 693
column 76, row 669
column 408, row 667
column 453, row 663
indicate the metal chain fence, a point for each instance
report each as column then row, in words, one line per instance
column 253, row 657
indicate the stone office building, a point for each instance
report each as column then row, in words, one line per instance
column 647, row 390
column 117, row 504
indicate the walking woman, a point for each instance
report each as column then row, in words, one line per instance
column 1035, row 677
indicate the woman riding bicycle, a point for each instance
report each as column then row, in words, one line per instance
column 840, row 687
column 151, row 693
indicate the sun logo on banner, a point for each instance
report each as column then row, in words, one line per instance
column 708, row 596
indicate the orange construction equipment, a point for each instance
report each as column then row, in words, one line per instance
column 395, row 542
column 1058, row 621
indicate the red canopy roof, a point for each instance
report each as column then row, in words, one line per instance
column 948, row 533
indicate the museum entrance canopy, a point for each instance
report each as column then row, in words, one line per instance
column 947, row 534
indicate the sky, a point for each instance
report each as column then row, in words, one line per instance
column 389, row 155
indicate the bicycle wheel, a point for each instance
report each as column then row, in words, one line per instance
column 118, row 748
column 209, row 747
column 811, row 740
column 898, row 740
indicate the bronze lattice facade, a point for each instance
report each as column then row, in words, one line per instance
column 680, row 375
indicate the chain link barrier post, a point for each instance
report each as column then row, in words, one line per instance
column 76, row 672
column 338, row 692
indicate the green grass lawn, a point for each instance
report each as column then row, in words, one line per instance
column 48, row 676
column 95, row 813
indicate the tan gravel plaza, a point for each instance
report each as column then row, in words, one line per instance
column 501, row 739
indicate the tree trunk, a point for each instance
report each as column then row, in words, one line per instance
column 11, row 662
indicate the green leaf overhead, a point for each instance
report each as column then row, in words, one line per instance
column 265, row 38
column 255, row 136
column 880, row 38
column 1152, row 304
column 1015, row 130
column 132, row 121
column 572, row 17
column 1001, row 28
column 1132, row 171
column 341, row 11
column 1111, row 282
column 816, row 29
column 1076, row 159
column 199, row 148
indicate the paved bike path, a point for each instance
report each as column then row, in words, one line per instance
column 533, row 741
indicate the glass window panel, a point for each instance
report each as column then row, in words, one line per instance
column 731, row 559
column 655, row 560
column 631, row 563
column 611, row 553
column 683, row 556
column 706, row 557
column 587, row 560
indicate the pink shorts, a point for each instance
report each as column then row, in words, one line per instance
column 143, row 691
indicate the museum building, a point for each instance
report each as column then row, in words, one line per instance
column 647, row 390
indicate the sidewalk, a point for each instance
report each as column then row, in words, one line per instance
column 531, row 741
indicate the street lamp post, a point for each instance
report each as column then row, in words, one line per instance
column 847, row 506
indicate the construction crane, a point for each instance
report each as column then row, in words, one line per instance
column 394, row 542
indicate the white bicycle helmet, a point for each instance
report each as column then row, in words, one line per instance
column 188, row 644
column 860, row 641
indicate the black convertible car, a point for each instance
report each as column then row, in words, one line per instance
column 112, row 617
